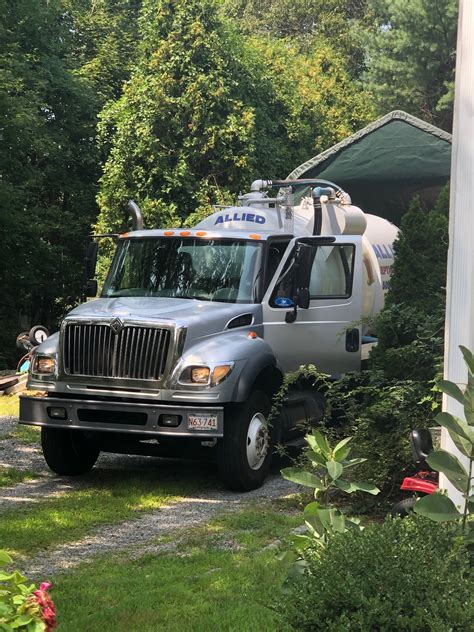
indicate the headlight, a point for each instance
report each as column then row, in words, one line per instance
column 44, row 365
column 195, row 375
column 204, row 375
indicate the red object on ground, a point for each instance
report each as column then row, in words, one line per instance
column 425, row 482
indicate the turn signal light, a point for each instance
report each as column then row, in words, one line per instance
column 220, row 372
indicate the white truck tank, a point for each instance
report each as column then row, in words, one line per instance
column 260, row 214
column 378, row 241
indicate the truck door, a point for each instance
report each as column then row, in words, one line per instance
column 326, row 334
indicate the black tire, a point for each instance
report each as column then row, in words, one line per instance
column 34, row 331
column 68, row 452
column 23, row 341
column 236, row 472
column 403, row 508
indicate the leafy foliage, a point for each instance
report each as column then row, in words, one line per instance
column 23, row 607
column 411, row 45
column 380, row 415
column 441, row 508
column 48, row 163
column 206, row 109
column 411, row 327
column 401, row 575
column 306, row 23
column 328, row 464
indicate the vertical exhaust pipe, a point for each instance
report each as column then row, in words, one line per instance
column 135, row 212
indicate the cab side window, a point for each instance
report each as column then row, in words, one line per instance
column 331, row 274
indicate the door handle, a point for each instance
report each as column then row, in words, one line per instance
column 352, row 340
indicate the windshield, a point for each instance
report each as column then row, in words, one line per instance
column 224, row 270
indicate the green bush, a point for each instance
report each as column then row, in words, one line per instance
column 410, row 575
column 410, row 329
column 379, row 415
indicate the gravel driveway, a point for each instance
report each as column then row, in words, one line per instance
column 136, row 536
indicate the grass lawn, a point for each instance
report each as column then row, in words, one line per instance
column 107, row 496
column 12, row 476
column 9, row 405
column 219, row 578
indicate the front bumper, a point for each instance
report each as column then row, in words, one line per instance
column 114, row 416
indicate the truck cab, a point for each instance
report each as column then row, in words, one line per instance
column 195, row 329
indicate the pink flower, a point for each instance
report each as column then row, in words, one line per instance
column 48, row 610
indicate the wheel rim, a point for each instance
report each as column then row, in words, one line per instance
column 257, row 441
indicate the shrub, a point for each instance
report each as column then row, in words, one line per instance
column 380, row 415
column 410, row 328
column 401, row 575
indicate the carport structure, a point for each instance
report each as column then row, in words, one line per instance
column 385, row 164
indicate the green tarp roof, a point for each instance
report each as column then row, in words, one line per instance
column 383, row 165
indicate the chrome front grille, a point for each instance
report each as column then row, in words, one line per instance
column 134, row 352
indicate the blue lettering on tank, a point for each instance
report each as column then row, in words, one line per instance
column 245, row 217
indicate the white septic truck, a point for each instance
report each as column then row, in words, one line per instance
column 195, row 329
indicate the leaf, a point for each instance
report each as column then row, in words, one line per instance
column 354, row 524
column 462, row 445
column 21, row 620
column 301, row 542
column 457, row 425
column 322, row 443
column 451, row 389
column 341, row 451
column 437, row 507
column 468, row 357
column 316, row 458
column 5, row 558
column 353, row 462
column 349, row 488
column 335, row 469
column 449, row 465
column 315, row 526
column 302, row 477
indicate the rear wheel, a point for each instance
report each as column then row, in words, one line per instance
column 403, row 508
column 68, row 452
column 245, row 451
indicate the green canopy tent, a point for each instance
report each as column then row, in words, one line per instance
column 383, row 165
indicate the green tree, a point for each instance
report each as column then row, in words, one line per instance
column 206, row 109
column 304, row 23
column 181, row 130
column 48, row 164
column 410, row 328
column 104, row 42
column 411, row 47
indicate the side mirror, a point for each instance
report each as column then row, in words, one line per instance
column 304, row 262
column 91, row 259
column 91, row 288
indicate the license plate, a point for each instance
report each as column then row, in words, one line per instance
column 202, row 422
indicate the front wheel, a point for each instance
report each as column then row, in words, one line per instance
column 68, row 452
column 245, row 451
